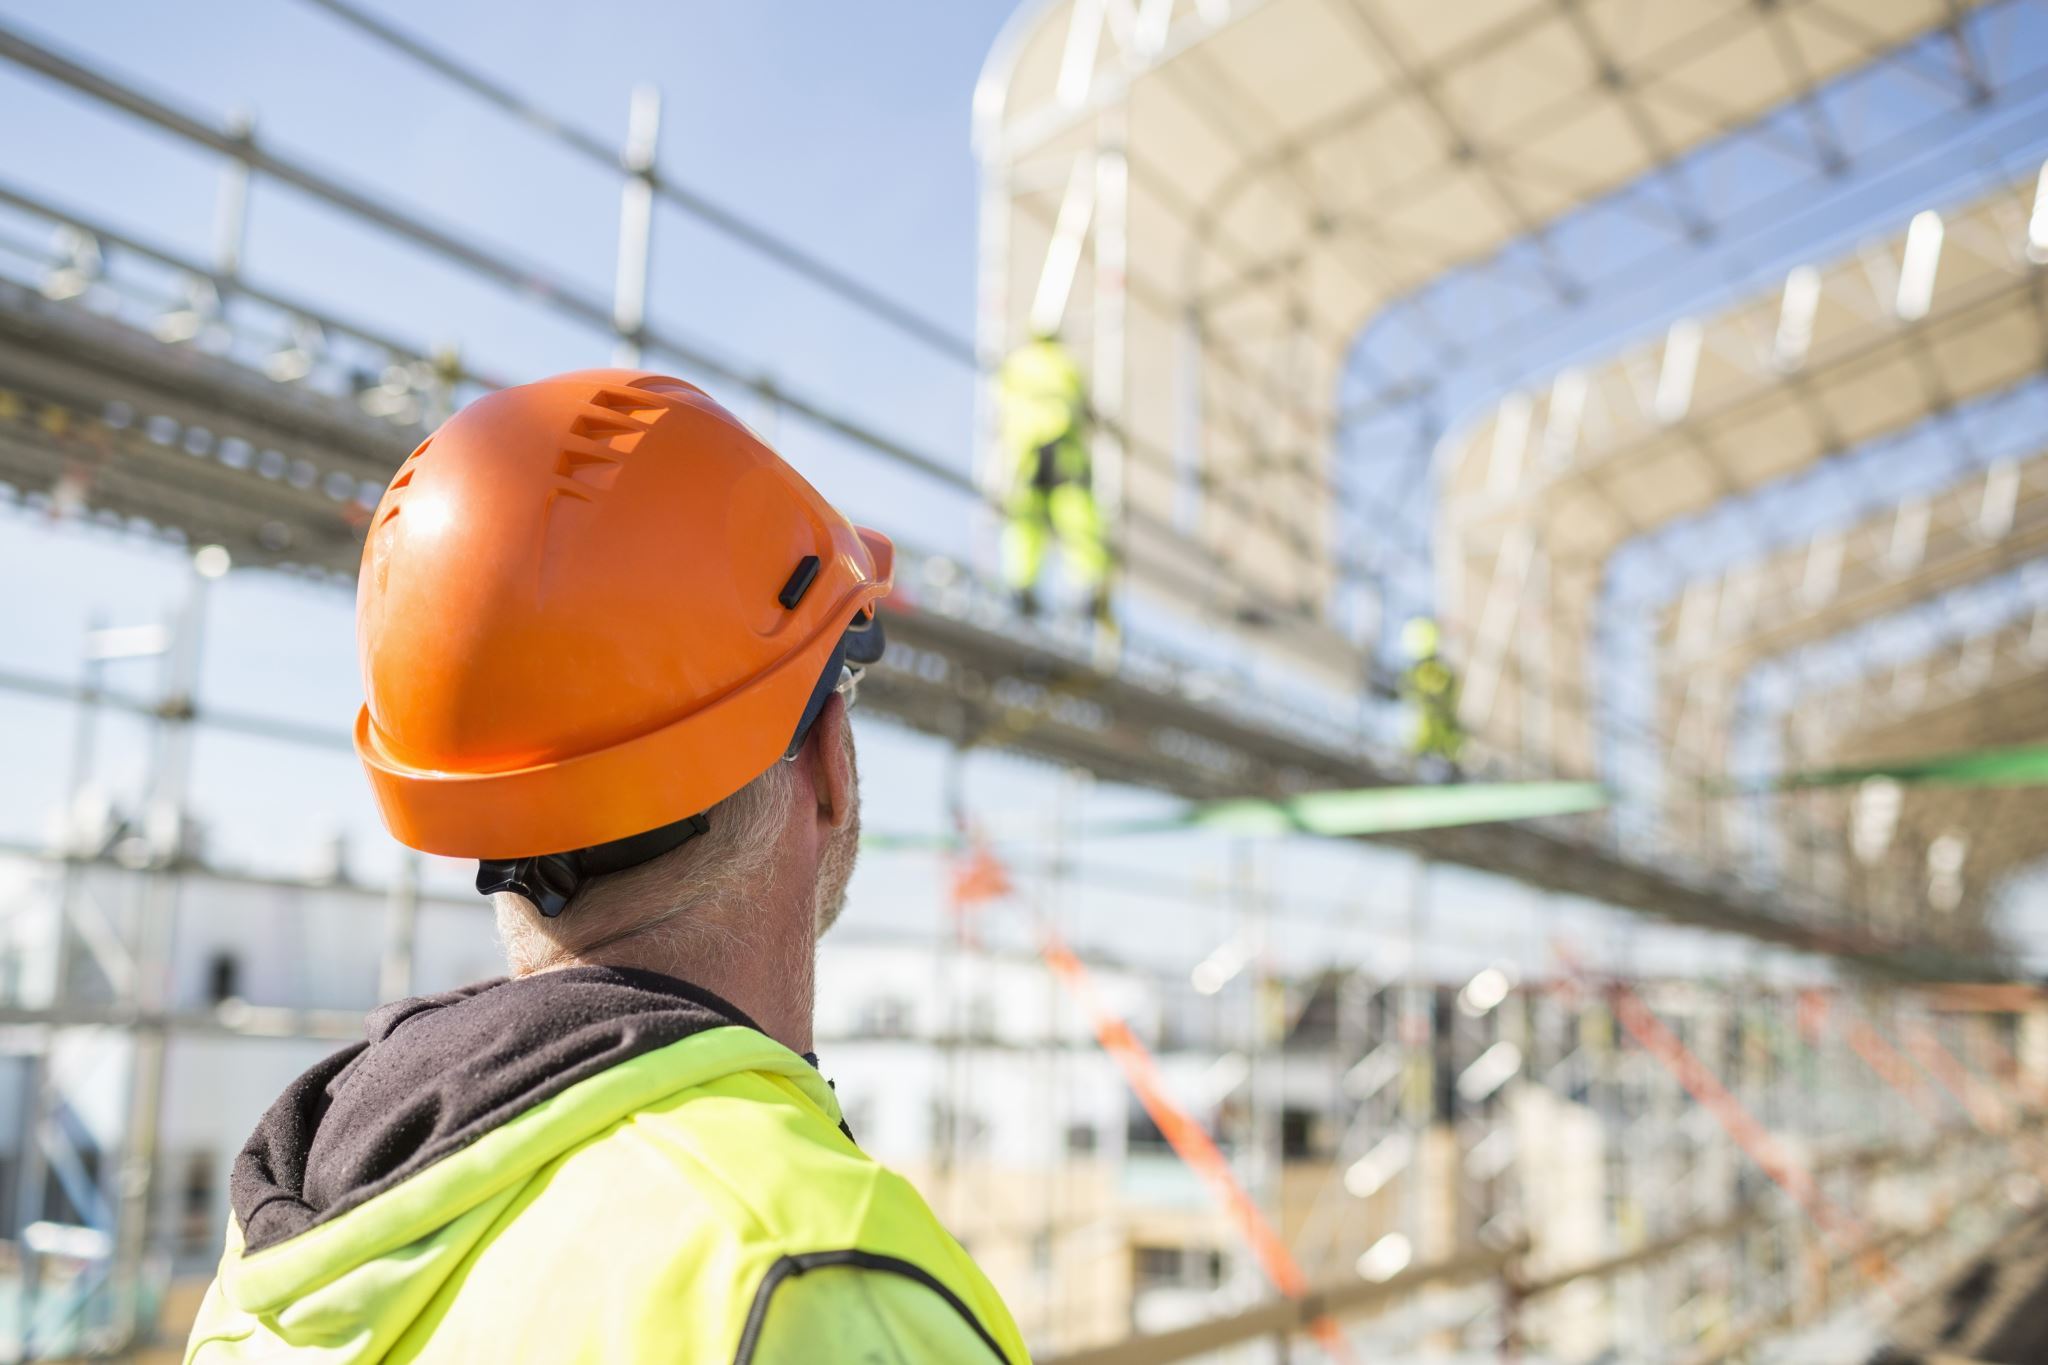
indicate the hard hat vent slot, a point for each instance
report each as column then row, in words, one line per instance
column 410, row 466
column 658, row 383
column 615, row 432
column 633, row 405
column 589, row 467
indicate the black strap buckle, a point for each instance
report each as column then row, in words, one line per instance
column 551, row 880
column 548, row 880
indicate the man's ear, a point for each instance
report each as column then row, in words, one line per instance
column 831, row 768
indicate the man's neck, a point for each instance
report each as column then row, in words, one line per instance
column 769, row 976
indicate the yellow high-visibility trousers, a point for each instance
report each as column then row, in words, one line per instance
column 1066, row 512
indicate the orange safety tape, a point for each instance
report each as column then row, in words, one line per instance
column 1985, row 1108
column 1890, row 1065
column 2009, row 1069
column 1189, row 1140
column 1988, row 1110
column 1756, row 1142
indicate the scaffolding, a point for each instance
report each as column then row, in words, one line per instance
column 1236, row 212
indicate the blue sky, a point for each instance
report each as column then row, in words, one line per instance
column 844, row 128
column 864, row 162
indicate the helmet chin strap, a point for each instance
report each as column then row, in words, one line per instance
column 551, row 880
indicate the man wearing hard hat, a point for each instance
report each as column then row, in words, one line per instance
column 1432, row 689
column 1049, row 485
column 608, row 642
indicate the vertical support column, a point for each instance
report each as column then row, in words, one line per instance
column 992, row 337
column 1260, row 1162
column 1190, row 499
column 1598, row 1036
column 1419, row 1078
column 166, row 823
column 40, row 1091
column 946, row 1003
column 1107, row 320
column 636, row 224
column 231, row 206
column 1283, row 451
column 1060, row 1318
column 1535, row 739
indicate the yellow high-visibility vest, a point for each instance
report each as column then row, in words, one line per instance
column 1043, row 404
column 698, row 1202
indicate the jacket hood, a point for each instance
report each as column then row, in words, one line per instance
column 375, row 1173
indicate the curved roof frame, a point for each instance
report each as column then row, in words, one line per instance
column 1502, row 176
column 1899, row 123
column 1724, row 405
column 1927, row 661
column 1841, row 354
column 1088, row 64
column 1159, row 171
column 1991, row 518
column 1877, row 306
column 1980, row 686
column 1896, row 658
column 1956, row 497
column 1752, row 198
column 1712, row 707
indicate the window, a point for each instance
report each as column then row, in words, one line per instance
column 886, row 1016
column 1158, row 1267
column 1082, row 1139
column 1300, row 1134
column 981, row 1019
column 223, row 977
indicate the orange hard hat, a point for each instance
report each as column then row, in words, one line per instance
column 591, row 607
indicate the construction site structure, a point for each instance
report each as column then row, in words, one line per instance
column 1749, row 1081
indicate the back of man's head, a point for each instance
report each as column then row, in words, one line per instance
column 595, row 614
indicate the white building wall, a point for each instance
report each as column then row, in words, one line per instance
column 1024, row 1070
column 1032, row 1085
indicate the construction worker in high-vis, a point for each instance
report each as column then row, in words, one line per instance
column 608, row 641
column 1049, row 490
column 1431, row 688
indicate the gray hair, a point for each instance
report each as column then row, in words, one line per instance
column 656, row 898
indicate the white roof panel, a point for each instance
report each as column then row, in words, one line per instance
column 1303, row 163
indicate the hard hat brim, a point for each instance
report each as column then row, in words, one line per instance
column 676, row 770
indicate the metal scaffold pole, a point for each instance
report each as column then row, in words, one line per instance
column 167, row 828
column 1108, row 323
column 41, row 1089
column 946, row 997
column 1259, row 1160
column 1622, row 557
column 636, row 223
